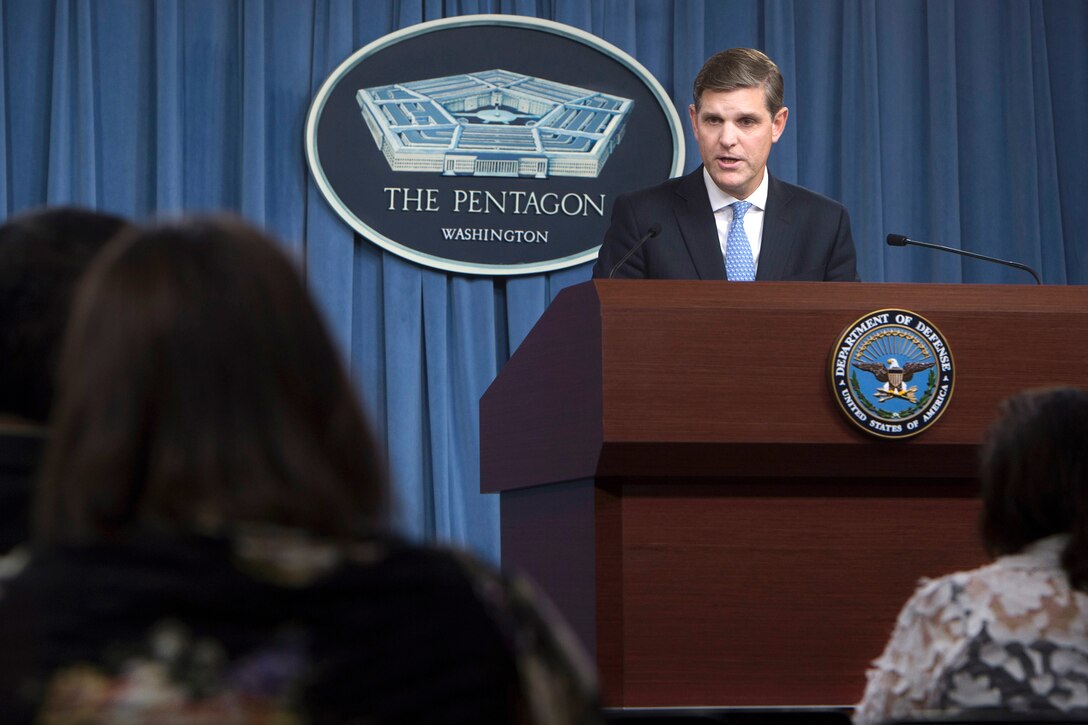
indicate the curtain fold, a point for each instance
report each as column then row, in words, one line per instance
column 1046, row 223
column 938, row 202
column 5, row 186
column 964, row 123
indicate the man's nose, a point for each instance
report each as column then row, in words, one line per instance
column 728, row 135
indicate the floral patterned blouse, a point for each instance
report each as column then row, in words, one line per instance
column 1008, row 636
column 271, row 626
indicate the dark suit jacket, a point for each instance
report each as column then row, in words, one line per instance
column 806, row 236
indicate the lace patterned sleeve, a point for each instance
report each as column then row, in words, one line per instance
column 902, row 681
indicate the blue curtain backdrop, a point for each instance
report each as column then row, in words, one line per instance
column 963, row 122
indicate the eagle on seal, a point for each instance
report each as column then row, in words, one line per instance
column 893, row 375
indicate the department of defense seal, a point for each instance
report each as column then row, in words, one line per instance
column 892, row 373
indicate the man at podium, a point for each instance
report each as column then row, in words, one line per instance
column 730, row 219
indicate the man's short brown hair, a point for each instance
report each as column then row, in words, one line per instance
column 736, row 68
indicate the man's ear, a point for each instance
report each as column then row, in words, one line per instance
column 778, row 123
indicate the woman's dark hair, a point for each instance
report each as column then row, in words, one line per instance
column 1035, row 476
column 199, row 389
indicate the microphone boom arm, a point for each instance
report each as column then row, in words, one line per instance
column 898, row 240
column 652, row 232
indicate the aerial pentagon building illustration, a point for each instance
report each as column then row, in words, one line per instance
column 494, row 123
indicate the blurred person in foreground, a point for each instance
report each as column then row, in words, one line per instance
column 1010, row 638
column 210, row 536
column 43, row 253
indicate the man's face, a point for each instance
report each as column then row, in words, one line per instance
column 735, row 131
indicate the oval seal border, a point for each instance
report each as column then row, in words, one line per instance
column 313, row 117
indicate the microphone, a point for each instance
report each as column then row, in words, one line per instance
column 898, row 240
column 652, row 232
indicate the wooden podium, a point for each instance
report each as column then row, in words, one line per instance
column 676, row 476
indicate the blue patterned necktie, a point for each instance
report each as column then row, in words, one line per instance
column 739, row 266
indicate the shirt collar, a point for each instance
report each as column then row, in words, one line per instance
column 719, row 199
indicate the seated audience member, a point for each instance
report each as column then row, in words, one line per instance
column 42, row 255
column 1011, row 637
column 209, row 540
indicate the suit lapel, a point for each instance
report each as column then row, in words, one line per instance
column 696, row 221
column 778, row 232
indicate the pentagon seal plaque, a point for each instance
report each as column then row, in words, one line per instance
column 489, row 144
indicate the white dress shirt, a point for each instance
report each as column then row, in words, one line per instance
column 723, row 213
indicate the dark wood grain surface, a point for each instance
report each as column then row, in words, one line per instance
column 677, row 476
